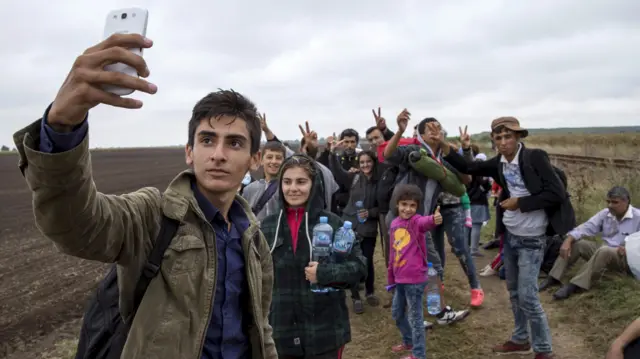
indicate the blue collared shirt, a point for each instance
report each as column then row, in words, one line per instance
column 226, row 338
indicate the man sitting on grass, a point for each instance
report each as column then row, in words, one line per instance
column 615, row 223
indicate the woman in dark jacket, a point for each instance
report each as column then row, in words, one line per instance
column 307, row 324
column 362, row 211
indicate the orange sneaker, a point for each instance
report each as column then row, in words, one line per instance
column 477, row 297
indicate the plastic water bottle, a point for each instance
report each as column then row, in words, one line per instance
column 360, row 209
column 345, row 237
column 433, row 291
column 247, row 179
column 321, row 251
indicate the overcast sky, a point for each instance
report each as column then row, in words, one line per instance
column 550, row 63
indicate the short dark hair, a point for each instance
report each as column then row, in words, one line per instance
column 274, row 146
column 350, row 132
column 407, row 192
column 229, row 103
column 371, row 129
column 423, row 124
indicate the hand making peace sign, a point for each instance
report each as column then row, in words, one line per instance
column 263, row 121
column 465, row 139
column 333, row 144
column 310, row 137
column 381, row 123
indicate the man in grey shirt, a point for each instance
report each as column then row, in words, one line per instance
column 262, row 194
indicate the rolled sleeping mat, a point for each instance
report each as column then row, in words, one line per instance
column 423, row 163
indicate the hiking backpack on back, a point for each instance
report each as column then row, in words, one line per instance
column 385, row 187
column 104, row 331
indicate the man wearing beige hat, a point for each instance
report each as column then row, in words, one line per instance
column 534, row 205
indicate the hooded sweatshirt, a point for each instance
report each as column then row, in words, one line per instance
column 408, row 250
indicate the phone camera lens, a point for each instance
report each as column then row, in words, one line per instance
column 123, row 16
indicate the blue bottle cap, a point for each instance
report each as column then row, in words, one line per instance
column 348, row 224
column 324, row 219
column 430, row 265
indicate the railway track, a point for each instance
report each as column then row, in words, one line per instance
column 595, row 161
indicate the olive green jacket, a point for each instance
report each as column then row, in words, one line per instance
column 174, row 314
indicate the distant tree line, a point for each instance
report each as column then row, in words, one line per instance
column 6, row 149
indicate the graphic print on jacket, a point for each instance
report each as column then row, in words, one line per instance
column 307, row 323
column 408, row 252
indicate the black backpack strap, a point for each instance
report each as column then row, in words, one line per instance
column 168, row 229
column 266, row 196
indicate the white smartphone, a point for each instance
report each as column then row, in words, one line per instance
column 125, row 21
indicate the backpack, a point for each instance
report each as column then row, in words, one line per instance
column 104, row 331
column 385, row 188
column 551, row 253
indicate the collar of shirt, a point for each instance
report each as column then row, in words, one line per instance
column 237, row 216
column 627, row 215
column 515, row 158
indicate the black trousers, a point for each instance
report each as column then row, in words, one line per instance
column 368, row 246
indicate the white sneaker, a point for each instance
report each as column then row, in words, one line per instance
column 450, row 316
column 488, row 272
column 428, row 325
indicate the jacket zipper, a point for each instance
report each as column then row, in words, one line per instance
column 252, row 290
column 215, row 283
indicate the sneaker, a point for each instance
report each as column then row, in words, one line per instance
column 358, row 307
column 372, row 300
column 488, row 272
column 401, row 348
column 544, row 356
column 450, row 316
column 427, row 325
column 510, row 347
column 477, row 297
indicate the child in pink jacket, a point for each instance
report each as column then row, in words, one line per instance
column 407, row 269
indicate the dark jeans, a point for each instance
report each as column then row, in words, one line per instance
column 332, row 354
column 407, row 310
column 453, row 226
column 368, row 246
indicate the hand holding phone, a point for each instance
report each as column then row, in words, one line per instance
column 83, row 88
column 125, row 21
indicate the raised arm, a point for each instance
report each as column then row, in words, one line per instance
column 56, row 163
column 344, row 178
column 68, row 208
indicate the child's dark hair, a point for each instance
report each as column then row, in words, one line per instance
column 405, row 192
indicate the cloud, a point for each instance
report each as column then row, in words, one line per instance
column 550, row 63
